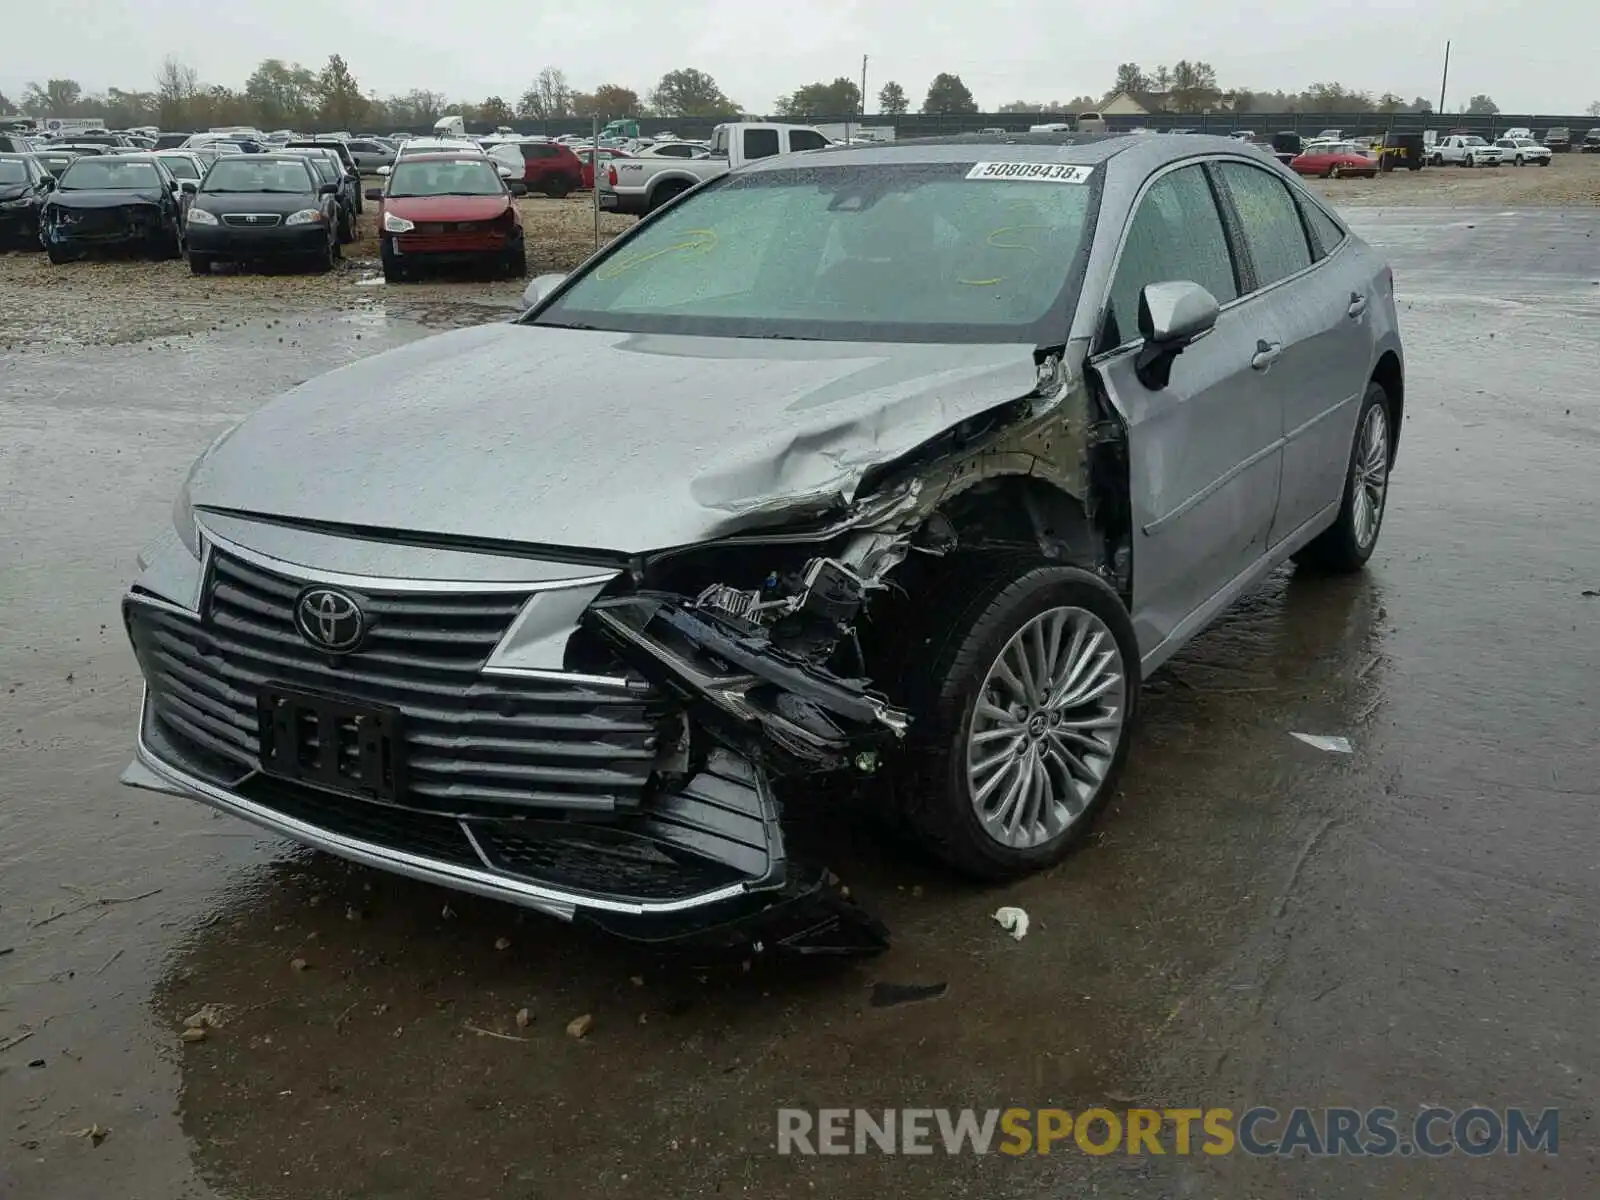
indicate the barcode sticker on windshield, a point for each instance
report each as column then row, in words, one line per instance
column 1031, row 172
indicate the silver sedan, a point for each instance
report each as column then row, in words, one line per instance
column 902, row 465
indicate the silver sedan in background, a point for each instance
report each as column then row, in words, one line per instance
column 903, row 465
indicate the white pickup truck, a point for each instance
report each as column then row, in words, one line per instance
column 641, row 185
column 1465, row 150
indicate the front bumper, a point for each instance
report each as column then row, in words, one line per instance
column 445, row 246
column 536, row 787
column 93, row 227
column 225, row 241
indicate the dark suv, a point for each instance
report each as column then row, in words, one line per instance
column 1591, row 141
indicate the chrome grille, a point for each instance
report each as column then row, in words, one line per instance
column 474, row 744
column 252, row 220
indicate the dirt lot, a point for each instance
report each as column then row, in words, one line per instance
column 43, row 306
column 1570, row 179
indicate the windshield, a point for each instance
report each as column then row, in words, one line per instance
column 248, row 174
column 181, row 168
column 456, row 177
column 12, row 171
column 109, row 175
column 915, row 252
column 324, row 168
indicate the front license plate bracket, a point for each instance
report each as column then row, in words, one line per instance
column 332, row 743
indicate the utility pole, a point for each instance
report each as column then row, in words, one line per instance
column 1446, row 78
column 863, row 89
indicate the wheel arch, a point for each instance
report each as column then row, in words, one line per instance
column 1388, row 375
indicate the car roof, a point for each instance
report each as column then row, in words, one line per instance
column 447, row 155
column 1080, row 149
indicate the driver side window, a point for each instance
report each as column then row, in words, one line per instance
column 1177, row 234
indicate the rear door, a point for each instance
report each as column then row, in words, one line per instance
column 1310, row 286
column 1204, row 451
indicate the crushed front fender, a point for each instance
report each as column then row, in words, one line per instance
column 759, row 699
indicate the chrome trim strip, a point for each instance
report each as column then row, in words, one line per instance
column 156, row 602
column 611, row 681
column 379, row 583
column 1320, row 417
column 468, row 879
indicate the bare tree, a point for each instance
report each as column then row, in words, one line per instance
column 177, row 84
column 548, row 98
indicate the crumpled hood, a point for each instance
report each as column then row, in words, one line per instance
column 597, row 440
column 88, row 199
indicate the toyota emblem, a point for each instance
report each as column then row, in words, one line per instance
column 330, row 620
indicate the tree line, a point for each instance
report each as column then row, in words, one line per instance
column 282, row 95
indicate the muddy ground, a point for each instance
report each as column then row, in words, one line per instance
column 1253, row 922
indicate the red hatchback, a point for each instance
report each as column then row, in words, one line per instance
column 547, row 167
column 1333, row 161
column 447, row 208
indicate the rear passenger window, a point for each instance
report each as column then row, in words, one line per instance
column 1325, row 232
column 760, row 143
column 1272, row 228
column 806, row 139
column 1177, row 234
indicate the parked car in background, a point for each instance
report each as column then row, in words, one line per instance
column 543, row 166
column 1591, row 141
column 1464, row 150
column 447, row 209
column 1287, row 145
column 341, row 152
column 328, row 169
column 673, row 150
column 585, row 159
column 370, row 154
column 121, row 200
column 263, row 207
column 640, row 185
column 15, row 143
column 209, row 152
column 906, row 557
column 81, row 149
column 1559, row 139
column 1335, row 160
column 1518, row 151
column 182, row 164
column 54, row 160
column 170, row 141
column 25, row 185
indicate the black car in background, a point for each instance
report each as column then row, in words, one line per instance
column 347, row 187
column 339, row 151
column 257, row 207
column 124, row 200
column 24, row 186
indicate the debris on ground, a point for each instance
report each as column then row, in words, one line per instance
column 888, row 995
column 579, row 1027
column 490, row 1033
column 524, row 1018
column 195, row 1033
column 1331, row 743
column 502, row 943
column 95, row 1133
column 207, row 1016
column 298, row 964
column 1013, row 920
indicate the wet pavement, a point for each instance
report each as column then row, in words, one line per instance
column 1254, row 922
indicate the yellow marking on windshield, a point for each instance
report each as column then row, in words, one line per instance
column 695, row 241
column 994, row 242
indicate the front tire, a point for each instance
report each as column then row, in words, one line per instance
column 1023, row 692
column 199, row 264
column 1347, row 544
column 558, row 187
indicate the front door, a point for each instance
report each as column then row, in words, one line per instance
column 1204, row 451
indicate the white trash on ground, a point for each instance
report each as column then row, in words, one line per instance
column 1332, row 743
column 1013, row 920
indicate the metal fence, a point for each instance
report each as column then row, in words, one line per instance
column 932, row 125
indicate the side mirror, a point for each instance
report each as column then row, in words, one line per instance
column 172, row 186
column 505, row 171
column 374, row 193
column 384, row 170
column 328, row 189
column 539, row 287
column 189, row 185
column 1172, row 317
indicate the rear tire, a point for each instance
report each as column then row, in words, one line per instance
column 57, row 257
column 557, row 187
column 199, row 264
column 1347, row 544
column 982, row 754
column 665, row 193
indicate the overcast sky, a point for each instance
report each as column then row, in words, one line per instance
column 1538, row 56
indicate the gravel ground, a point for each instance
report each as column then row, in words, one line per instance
column 43, row 306
column 1570, row 179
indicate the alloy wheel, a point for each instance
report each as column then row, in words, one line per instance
column 1043, row 735
column 1370, row 475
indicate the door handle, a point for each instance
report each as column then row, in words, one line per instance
column 1358, row 305
column 1266, row 354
